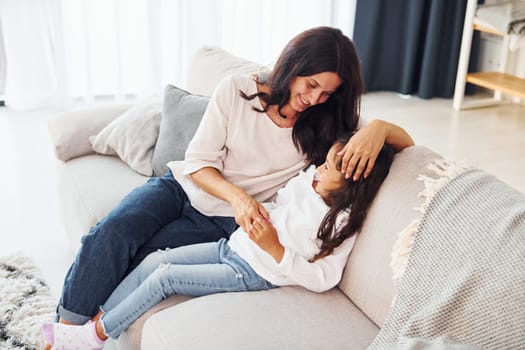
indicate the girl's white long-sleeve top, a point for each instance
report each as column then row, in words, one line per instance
column 296, row 215
column 246, row 146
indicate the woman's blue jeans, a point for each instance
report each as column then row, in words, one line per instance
column 194, row 270
column 156, row 215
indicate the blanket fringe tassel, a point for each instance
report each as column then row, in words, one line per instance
column 445, row 170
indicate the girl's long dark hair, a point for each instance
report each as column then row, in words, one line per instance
column 356, row 196
column 318, row 50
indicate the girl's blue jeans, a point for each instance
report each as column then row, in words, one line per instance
column 156, row 215
column 194, row 270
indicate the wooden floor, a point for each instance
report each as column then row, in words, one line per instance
column 490, row 138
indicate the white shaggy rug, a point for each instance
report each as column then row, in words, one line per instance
column 25, row 303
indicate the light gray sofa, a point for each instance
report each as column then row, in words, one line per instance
column 347, row 317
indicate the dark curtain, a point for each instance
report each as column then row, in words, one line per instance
column 410, row 46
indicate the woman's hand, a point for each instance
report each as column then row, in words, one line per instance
column 247, row 210
column 361, row 151
column 264, row 234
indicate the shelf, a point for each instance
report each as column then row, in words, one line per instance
column 499, row 82
column 487, row 28
column 506, row 83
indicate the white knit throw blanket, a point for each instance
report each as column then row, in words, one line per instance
column 464, row 284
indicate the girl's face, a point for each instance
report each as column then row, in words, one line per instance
column 312, row 90
column 329, row 177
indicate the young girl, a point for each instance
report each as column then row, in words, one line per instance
column 306, row 242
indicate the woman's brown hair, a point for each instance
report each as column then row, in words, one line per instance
column 321, row 49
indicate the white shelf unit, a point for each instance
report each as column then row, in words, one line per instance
column 500, row 82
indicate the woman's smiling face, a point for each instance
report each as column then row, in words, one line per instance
column 312, row 90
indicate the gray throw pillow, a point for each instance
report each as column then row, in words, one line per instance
column 181, row 115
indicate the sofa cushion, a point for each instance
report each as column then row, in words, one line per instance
column 132, row 136
column 282, row 318
column 181, row 115
column 89, row 187
column 131, row 338
column 210, row 65
column 367, row 279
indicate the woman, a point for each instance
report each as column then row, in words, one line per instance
column 254, row 136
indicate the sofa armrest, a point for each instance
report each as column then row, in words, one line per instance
column 70, row 131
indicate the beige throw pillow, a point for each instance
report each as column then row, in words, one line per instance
column 210, row 65
column 132, row 136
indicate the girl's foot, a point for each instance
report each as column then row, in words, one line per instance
column 63, row 337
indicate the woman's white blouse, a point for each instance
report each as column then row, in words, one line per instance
column 244, row 145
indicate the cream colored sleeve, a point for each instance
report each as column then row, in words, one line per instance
column 208, row 146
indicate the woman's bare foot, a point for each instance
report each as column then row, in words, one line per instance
column 66, row 322
column 97, row 316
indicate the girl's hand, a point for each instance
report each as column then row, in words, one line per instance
column 361, row 151
column 247, row 210
column 264, row 234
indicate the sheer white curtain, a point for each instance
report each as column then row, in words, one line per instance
column 2, row 63
column 33, row 59
column 62, row 50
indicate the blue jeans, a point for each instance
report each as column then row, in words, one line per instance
column 154, row 216
column 195, row 270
